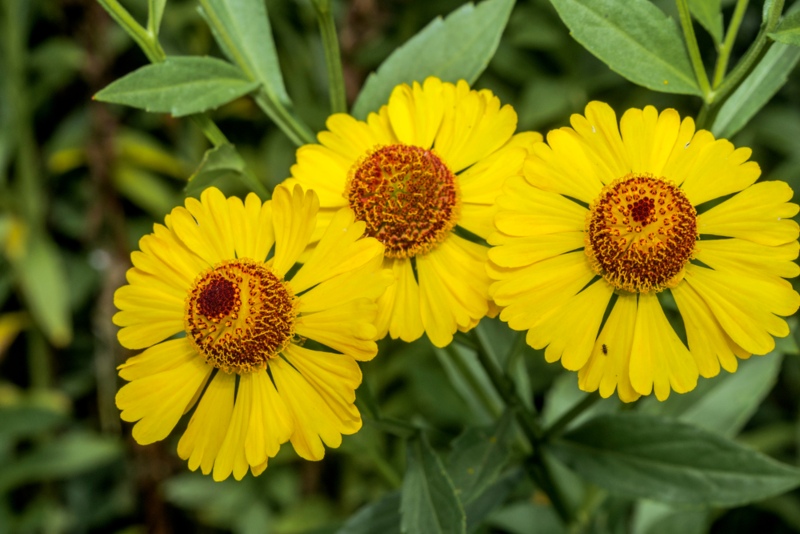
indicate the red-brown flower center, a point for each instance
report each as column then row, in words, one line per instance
column 239, row 315
column 407, row 196
column 641, row 233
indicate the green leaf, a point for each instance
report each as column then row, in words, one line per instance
column 382, row 515
column 24, row 421
column 756, row 90
column 788, row 31
column 478, row 456
column 635, row 39
column 218, row 163
column 470, row 380
column 658, row 518
column 725, row 403
column 487, row 502
column 709, row 14
column 661, row 459
column 41, row 277
column 65, row 457
column 456, row 48
column 528, row 518
column 242, row 30
column 180, row 86
column 144, row 189
column 428, row 502
column 155, row 12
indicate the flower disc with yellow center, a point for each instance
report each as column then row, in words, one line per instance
column 407, row 196
column 239, row 315
column 641, row 233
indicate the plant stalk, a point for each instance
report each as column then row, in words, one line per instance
column 694, row 49
column 333, row 59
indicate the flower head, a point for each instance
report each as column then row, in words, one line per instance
column 609, row 221
column 422, row 173
column 224, row 326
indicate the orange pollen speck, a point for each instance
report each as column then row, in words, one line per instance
column 641, row 233
column 239, row 315
column 407, row 196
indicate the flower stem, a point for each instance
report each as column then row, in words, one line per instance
column 486, row 400
column 694, row 49
column 536, row 465
column 562, row 422
column 727, row 43
column 753, row 53
column 333, row 59
column 148, row 42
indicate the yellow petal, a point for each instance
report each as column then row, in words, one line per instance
column 314, row 421
column 270, row 421
column 454, row 287
column 162, row 357
column 399, row 307
column 753, row 258
column 323, row 170
column 416, row 112
column 707, row 340
column 530, row 292
column 334, row 376
column 209, row 424
column 522, row 251
column 158, row 401
column 603, row 145
column 608, row 367
column 231, row 457
column 760, row 214
column 474, row 125
column 367, row 281
column 140, row 334
column 659, row 360
column 348, row 328
column 293, row 215
column 570, row 331
column 526, row 210
column 341, row 250
column 252, row 227
column 745, row 306
column 649, row 138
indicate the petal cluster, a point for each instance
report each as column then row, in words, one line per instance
column 302, row 394
column 730, row 295
column 441, row 284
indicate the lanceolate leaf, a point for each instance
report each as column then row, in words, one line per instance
column 756, row 90
column 218, row 162
column 709, row 14
column 478, row 456
column 180, row 86
column 242, row 30
column 725, row 404
column 661, row 459
column 456, row 48
column 633, row 38
column 382, row 516
column 428, row 502
column 789, row 29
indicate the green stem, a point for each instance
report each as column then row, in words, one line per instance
column 515, row 352
column 727, row 44
column 536, row 464
column 753, row 53
column 148, row 42
column 562, row 422
column 694, row 49
column 488, row 402
column 333, row 58
column 296, row 131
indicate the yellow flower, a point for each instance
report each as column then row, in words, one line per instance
column 209, row 274
column 607, row 218
column 424, row 169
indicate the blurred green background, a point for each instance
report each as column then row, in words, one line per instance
column 81, row 182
